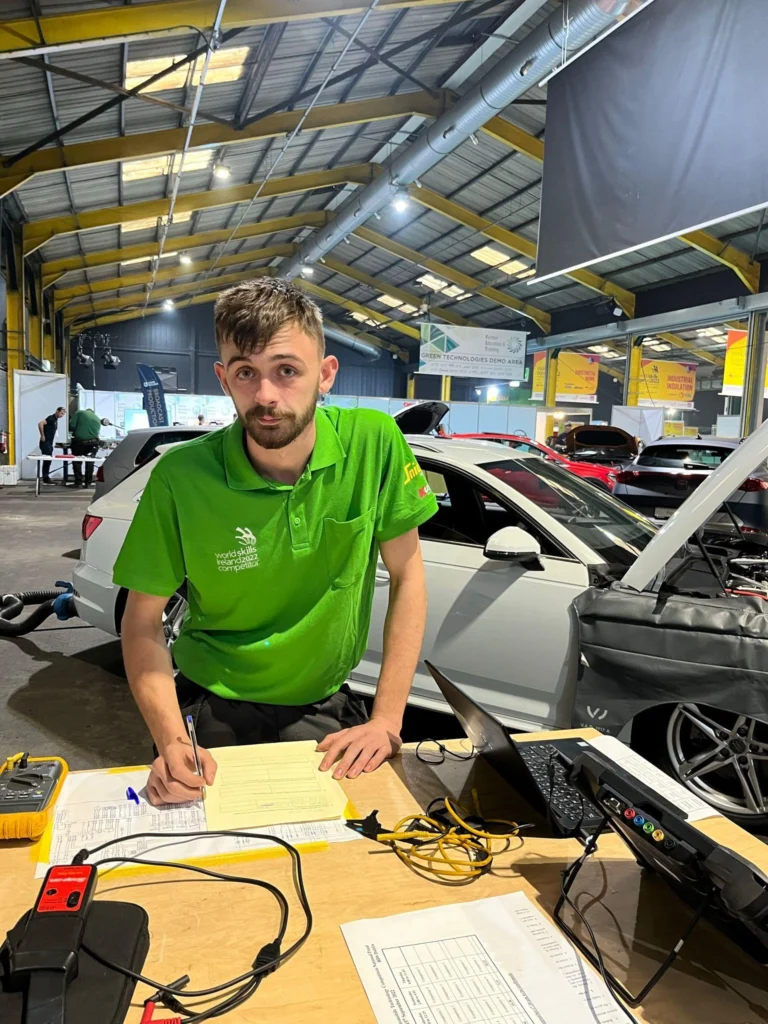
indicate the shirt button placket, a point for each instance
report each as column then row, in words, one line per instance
column 297, row 523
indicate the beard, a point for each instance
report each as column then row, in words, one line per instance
column 277, row 435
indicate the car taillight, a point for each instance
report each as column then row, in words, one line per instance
column 89, row 525
column 626, row 476
column 100, row 475
column 752, row 484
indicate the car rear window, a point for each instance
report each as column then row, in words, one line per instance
column 148, row 451
column 682, row 455
column 600, row 438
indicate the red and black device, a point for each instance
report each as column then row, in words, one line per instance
column 48, row 974
column 47, row 955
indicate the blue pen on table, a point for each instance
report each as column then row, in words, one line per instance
column 131, row 794
column 195, row 751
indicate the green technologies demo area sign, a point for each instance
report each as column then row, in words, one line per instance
column 472, row 352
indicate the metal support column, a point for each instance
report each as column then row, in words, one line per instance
column 35, row 340
column 15, row 336
column 410, row 387
column 633, row 371
column 754, row 375
column 445, row 389
column 550, row 391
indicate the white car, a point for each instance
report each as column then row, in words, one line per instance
column 514, row 541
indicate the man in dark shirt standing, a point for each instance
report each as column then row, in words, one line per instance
column 47, row 428
column 85, row 426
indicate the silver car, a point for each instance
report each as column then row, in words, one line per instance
column 669, row 470
column 137, row 448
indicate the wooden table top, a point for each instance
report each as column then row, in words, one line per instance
column 213, row 930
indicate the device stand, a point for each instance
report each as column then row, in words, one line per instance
column 594, row 955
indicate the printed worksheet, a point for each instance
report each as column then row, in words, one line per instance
column 93, row 808
column 493, row 961
column 695, row 808
column 271, row 784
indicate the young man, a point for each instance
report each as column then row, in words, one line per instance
column 85, row 426
column 275, row 523
column 47, row 428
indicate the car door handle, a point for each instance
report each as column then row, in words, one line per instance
column 382, row 577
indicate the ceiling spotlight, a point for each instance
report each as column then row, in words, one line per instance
column 514, row 383
column 401, row 202
column 477, row 391
column 307, row 271
column 186, row 260
column 168, row 304
column 618, row 311
column 473, row 139
column 111, row 362
column 83, row 358
column 221, row 171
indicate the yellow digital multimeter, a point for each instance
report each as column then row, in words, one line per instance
column 29, row 787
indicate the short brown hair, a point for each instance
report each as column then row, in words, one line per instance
column 251, row 313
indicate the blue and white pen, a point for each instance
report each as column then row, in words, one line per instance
column 195, row 751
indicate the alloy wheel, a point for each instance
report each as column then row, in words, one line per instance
column 720, row 756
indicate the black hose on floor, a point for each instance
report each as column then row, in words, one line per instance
column 12, row 605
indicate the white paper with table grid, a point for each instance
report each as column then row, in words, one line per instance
column 493, row 961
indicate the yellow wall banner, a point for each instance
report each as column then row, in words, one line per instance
column 735, row 364
column 664, row 382
column 577, row 377
column 539, row 376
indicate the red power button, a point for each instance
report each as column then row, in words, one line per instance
column 65, row 888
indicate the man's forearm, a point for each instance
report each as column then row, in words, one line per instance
column 150, row 676
column 403, row 636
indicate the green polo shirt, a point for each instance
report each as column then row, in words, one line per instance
column 85, row 425
column 280, row 577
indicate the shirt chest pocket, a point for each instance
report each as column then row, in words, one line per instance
column 347, row 546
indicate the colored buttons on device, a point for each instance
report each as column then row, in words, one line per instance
column 648, row 827
column 658, row 835
column 638, row 820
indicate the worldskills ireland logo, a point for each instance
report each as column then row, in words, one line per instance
column 245, row 556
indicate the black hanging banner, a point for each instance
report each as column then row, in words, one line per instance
column 154, row 396
column 655, row 131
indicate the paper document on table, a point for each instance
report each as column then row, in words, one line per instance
column 493, row 961
column 271, row 784
column 93, row 808
column 659, row 782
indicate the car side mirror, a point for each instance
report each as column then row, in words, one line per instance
column 513, row 544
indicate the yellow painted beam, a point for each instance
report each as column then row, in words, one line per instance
column 550, row 388
column 146, row 144
column 133, row 314
column 382, row 286
column 746, row 270
column 470, row 284
column 515, row 138
column 173, row 17
column 410, row 387
column 89, row 305
column 461, row 215
column 37, row 233
column 445, row 389
column 113, row 284
column 635, row 372
column 56, row 269
column 692, row 347
column 356, row 307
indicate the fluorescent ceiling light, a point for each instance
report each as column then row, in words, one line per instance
column 221, row 171
column 454, row 292
column 600, row 349
column 363, row 319
column 709, row 332
column 526, row 273
column 514, row 267
column 169, row 303
column 146, row 259
column 409, row 310
column 225, row 65
column 185, row 259
column 660, row 346
column 389, row 300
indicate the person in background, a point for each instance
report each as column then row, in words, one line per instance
column 47, row 428
column 85, row 426
column 201, row 420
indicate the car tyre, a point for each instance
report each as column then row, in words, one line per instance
column 719, row 755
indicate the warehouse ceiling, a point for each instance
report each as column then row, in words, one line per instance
column 297, row 111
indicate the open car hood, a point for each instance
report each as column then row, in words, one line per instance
column 420, row 418
column 608, row 439
column 698, row 508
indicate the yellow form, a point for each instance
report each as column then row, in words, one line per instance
column 271, row 784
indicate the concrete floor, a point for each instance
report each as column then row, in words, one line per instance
column 62, row 687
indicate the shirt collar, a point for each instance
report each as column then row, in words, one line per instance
column 241, row 476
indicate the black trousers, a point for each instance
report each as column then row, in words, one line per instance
column 88, row 448
column 46, row 448
column 227, row 723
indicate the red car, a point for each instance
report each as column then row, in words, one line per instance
column 601, row 476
